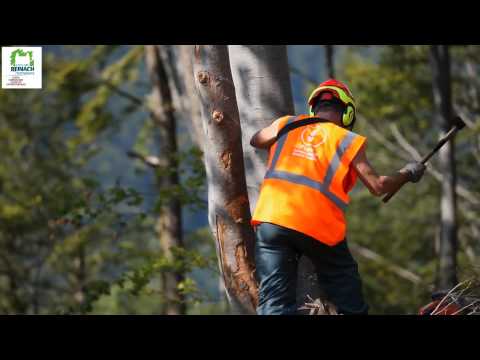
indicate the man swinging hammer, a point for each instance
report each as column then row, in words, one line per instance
column 313, row 163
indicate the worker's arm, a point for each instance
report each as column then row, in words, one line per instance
column 380, row 184
column 264, row 138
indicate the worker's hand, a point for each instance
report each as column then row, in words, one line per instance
column 414, row 170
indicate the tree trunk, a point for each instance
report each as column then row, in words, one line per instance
column 228, row 205
column 262, row 83
column 446, row 271
column 169, row 223
column 186, row 99
column 262, row 80
column 330, row 65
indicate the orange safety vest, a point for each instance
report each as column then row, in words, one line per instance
column 308, row 178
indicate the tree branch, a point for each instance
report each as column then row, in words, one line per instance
column 149, row 160
column 404, row 143
column 371, row 255
column 382, row 139
column 133, row 98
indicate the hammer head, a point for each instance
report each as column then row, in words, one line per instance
column 458, row 122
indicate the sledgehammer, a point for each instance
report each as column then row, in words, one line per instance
column 458, row 124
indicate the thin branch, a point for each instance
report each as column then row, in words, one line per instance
column 152, row 161
column 371, row 255
column 448, row 294
column 319, row 307
column 382, row 139
column 404, row 143
column 453, row 300
column 465, row 307
column 133, row 98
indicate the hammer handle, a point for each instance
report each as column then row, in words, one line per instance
column 394, row 191
column 441, row 142
column 427, row 157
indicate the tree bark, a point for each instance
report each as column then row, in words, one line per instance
column 182, row 83
column 169, row 223
column 330, row 65
column 191, row 102
column 446, row 270
column 186, row 100
column 229, row 213
column 262, row 80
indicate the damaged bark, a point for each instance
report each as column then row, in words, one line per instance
column 229, row 212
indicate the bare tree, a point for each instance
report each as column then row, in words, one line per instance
column 169, row 223
column 446, row 272
column 263, row 90
column 228, row 205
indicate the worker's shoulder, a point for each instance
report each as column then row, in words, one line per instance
column 284, row 118
column 281, row 121
column 348, row 132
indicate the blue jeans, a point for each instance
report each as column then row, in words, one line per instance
column 277, row 251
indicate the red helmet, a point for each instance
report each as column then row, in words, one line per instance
column 327, row 86
column 334, row 88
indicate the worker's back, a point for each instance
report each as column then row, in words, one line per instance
column 308, row 178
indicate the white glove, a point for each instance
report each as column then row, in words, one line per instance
column 414, row 170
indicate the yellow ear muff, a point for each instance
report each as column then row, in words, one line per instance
column 348, row 115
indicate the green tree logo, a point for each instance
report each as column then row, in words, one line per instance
column 20, row 52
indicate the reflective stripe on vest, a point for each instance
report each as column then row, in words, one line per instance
column 304, row 180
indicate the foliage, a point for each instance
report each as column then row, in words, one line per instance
column 68, row 236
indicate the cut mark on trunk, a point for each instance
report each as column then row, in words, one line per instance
column 217, row 116
column 244, row 275
column 238, row 277
column 203, row 77
column 220, row 227
column 235, row 208
column 226, row 159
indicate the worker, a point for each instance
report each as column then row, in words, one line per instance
column 303, row 198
